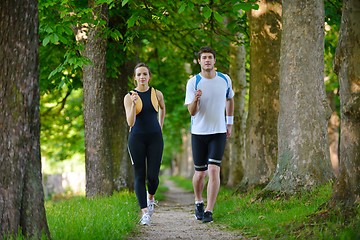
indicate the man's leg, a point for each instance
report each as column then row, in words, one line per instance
column 199, row 151
column 198, row 184
column 213, row 186
column 216, row 152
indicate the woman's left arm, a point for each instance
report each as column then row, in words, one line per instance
column 162, row 109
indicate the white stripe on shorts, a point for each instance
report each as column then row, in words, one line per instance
column 214, row 161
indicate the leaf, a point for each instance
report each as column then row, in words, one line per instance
column 48, row 29
column 182, row 8
column 68, row 31
column 207, row 12
column 255, row 6
column 247, row 6
column 131, row 21
column 54, row 38
column 63, row 39
column 116, row 35
column 218, row 17
column 124, row 2
column 46, row 41
column 191, row 5
column 55, row 71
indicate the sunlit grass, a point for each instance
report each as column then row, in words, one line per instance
column 96, row 218
column 301, row 216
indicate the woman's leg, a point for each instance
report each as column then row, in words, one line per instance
column 137, row 151
column 154, row 158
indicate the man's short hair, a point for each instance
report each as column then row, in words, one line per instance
column 206, row 49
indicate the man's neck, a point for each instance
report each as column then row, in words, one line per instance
column 208, row 74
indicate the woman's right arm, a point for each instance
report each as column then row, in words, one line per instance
column 130, row 109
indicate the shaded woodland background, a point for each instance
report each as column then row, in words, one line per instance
column 294, row 68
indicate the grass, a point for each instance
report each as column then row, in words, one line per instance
column 96, row 218
column 301, row 216
column 82, row 218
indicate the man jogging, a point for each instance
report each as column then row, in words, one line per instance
column 209, row 95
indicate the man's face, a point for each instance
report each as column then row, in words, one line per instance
column 207, row 61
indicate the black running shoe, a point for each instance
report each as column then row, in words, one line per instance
column 199, row 211
column 207, row 217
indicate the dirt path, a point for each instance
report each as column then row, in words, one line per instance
column 174, row 219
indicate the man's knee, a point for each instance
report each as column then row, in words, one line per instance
column 200, row 174
column 213, row 170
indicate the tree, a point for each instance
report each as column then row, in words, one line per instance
column 119, row 72
column 237, row 142
column 347, row 65
column 21, row 192
column 118, row 129
column 303, row 152
column 261, row 125
column 98, row 159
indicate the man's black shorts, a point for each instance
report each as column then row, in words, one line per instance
column 207, row 149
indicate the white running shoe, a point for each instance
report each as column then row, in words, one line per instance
column 145, row 219
column 151, row 205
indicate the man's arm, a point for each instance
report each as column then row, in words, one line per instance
column 193, row 107
column 229, row 116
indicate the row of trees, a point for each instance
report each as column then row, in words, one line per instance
column 94, row 46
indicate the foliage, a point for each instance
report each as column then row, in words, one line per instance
column 184, row 27
column 332, row 26
column 62, row 133
column 164, row 34
column 140, row 29
column 60, row 59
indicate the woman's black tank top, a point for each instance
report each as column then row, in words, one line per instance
column 147, row 120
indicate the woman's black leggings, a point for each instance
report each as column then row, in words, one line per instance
column 146, row 155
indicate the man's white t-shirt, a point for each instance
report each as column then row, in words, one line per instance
column 210, row 118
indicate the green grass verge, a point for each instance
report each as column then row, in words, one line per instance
column 96, row 218
column 114, row 217
column 301, row 216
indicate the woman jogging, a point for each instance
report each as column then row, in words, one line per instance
column 145, row 113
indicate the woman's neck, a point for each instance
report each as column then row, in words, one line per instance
column 142, row 88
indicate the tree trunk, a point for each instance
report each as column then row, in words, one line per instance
column 237, row 141
column 118, row 128
column 303, row 152
column 261, row 127
column 347, row 65
column 121, row 72
column 21, row 191
column 98, row 155
column 183, row 164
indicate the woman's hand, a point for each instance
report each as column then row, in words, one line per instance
column 134, row 97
